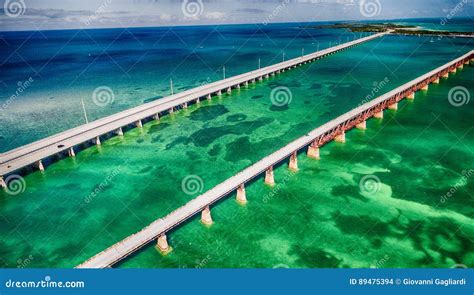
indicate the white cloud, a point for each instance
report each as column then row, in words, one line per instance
column 216, row 15
column 167, row 17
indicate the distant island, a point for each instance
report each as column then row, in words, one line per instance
column 393, row 28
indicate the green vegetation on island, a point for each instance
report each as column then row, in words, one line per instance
column 394, row 28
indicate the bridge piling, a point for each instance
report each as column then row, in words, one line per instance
column 378, row 115
column 313, row 152
column 198, row 101
column 40, row 165
column 97, row 140
column 229, row 90
column 241, row 196
column 425, row 88
column 209, row 97
column 269, row 177
column 411, row 96
column 119, row 132
column 436, row 81
column 341, row 137
column 362, row 125
column 139, row 124
column 156, row 117
column 206, row 217
column 293, row 164
column 184, row 105
column 162, row 244
column 393, row 107
column 171, row 111
column 3, row 184
column 71, row 152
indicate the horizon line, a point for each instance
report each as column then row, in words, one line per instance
column 232, row 24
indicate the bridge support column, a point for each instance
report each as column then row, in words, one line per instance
column 313, row 152
column 379, row 115
column 162, row 244
column 272, row 74
column 208, row 97
column 97, row 140
column 119, row 132
column 293, row 165
column 71, row 152
column 411, row 96
column 185, row 105
column 393, row 106
column 436, row 81
column 362, row 125
column 260, row 78
column 466, row 62
column 156, row 117
column 341, row 137
column 40, row 165
column 425, row 88
column 219, row 92
column 237, row 86
column 170, row 111
column 3, row 184
column 269, row 178
column 253, row 81
column 241, row 196
column 229, row 90
column 139, row 124
column 246, row 83
column 445, row 75
column 453, row 70
column 461, row 67
column 206, row 217
column 267, row 76
column 198, row 101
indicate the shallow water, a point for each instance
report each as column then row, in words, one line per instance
column 330, row 214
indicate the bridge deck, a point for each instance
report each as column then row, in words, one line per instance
column 31, row 153
column 127, row 246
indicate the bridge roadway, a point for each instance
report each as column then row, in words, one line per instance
column 122, row 249
column 62, row 142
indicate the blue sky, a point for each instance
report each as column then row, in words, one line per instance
column 70, row 14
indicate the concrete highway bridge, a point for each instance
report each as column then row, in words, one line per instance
column 311, row 142
column 67, row 142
